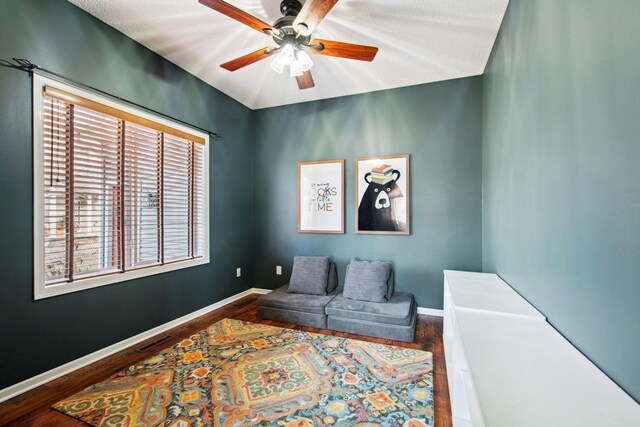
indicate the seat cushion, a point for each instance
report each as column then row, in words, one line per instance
column 374, row 329
column 368, row 281
column 397, row 311
column 310, row 275
column 282, row 299
column 289, row 316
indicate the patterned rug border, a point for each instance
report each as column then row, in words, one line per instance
column 254, row 373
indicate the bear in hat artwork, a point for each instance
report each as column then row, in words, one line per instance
column 377, row 210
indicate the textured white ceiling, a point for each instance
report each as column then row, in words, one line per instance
column 420, row 41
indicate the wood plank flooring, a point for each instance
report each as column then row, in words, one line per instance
column 34, row 407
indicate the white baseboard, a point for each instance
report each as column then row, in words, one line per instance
column 45, row 377
column 430, row 311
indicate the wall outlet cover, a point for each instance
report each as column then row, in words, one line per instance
column 238, row 272
column 279, row 270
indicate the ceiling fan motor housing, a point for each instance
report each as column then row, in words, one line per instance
column 286, row 33
column 290, row 7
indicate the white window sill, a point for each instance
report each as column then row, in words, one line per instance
column 45, row 291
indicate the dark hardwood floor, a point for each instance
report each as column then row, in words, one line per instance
column 34, row 407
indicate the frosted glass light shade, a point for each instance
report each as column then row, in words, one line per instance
column 304, row 60
column 284, row 58
column 294, row 69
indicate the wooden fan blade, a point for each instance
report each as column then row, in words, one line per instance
column 312, row 13
column 305, row 81
column 237, row 14
column 343, row 50
column 249, row 59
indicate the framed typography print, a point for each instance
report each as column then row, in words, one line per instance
column 321, row 196
column 382, row 195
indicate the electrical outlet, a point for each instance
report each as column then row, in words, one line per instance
column 279, row 270
column 238, row 272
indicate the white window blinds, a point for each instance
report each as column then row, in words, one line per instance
column 121, row 192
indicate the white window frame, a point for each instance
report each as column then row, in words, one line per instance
column 45, row 291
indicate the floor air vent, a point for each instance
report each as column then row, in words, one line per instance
column 151, row 344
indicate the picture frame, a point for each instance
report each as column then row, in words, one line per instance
column 382, row 194
column 321, row 197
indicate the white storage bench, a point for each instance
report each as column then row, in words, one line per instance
column 507, row 366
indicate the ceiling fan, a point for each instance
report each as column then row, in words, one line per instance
column 292, row 36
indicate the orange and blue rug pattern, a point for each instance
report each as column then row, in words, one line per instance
column 238, row 373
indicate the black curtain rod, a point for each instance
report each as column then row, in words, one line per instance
column 29, row 67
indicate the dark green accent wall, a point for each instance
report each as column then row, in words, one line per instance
column 39, row 335
column 561, row 180
column 438, row 124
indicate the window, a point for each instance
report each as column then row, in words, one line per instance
column 119, row 193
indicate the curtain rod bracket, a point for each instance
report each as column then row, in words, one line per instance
column 20, row 64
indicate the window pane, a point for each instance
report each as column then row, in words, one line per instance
column 176, row 203
column 96, row 192
column 141, row 195
column 198, row 200
column 56, row 125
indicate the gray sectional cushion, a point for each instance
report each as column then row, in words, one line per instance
column 332, row 284
column 368, row 280
column 397, row 311
column 290, row 316
column 374, row 329
column 310, row 275
column 390, row 285
column 281, row 298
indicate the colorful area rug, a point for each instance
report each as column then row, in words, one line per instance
column 238, row 373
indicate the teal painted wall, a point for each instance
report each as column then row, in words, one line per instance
column 38, row 335
column 561, row 181
column 438, row 124
column 529, row 171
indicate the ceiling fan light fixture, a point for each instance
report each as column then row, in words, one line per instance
column 304, row 60
column 295, row 70
column 300, row 64
column 277, row 64
column 285, row 57
column 291, row 33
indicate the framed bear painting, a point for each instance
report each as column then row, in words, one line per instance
column 321, row 196
column 382, row 195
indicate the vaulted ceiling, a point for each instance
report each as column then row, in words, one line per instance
column 419, row 41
